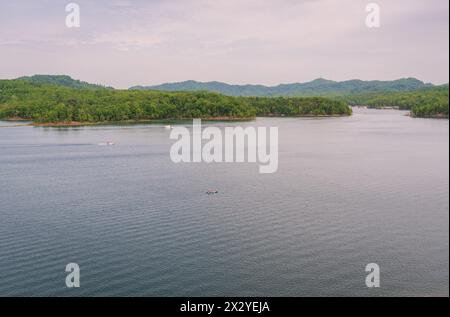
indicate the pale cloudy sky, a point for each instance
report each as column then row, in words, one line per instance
column 128, row 42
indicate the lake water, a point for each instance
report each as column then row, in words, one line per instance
column 350, row 191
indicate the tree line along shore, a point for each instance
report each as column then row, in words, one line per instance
column 56, row 104
column 53, row 104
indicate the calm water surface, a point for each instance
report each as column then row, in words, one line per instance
column 373, row 187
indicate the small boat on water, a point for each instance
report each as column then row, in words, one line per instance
column 212, row 192
column 107, row 143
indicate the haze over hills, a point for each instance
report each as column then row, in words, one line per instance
column 318, row 87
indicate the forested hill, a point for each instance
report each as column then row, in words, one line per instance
column 61, row 80
column 318, row 87
column 45, row 103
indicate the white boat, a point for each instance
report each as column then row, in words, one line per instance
column 107, row 143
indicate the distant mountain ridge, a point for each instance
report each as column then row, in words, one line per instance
column 317, row 87
column 61, row 80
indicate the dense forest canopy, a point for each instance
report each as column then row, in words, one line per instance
column 52, row 103
column 306, row 106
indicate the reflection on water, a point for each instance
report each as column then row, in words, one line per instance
column 349, row 191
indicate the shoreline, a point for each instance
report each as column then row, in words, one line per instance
column 437, row 116
column 131, row 122
column 307, row 116
column 156, row 121
column 68, row 124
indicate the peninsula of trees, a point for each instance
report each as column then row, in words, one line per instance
column 54, row 103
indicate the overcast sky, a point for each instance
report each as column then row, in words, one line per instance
column 124, row 42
